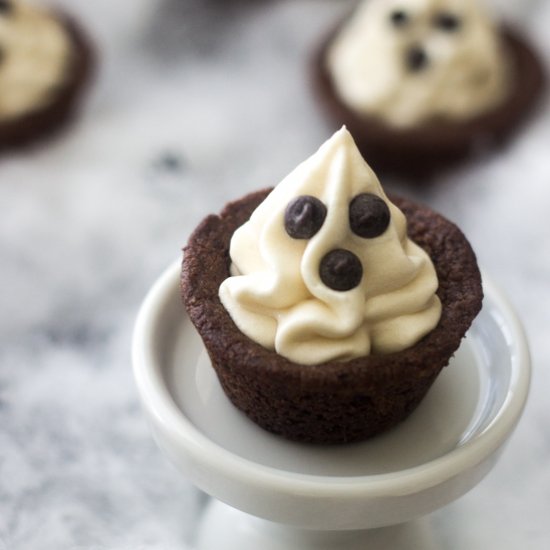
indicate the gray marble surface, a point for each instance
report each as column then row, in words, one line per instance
column 198, row 102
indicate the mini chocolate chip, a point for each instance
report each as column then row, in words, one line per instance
column 399, row 18
column 447, row 22
column 416, row 59
column 341, row 270
column 304, row 216
column 369, row 216
column 6, row 7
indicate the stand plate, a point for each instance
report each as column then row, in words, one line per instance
column 443, row 450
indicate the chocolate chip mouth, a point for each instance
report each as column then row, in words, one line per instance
column 341, row 270
column 416, row 59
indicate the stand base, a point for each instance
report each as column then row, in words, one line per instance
column 320, row 497
column 225, row 527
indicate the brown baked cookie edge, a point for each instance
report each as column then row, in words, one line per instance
column 334, row 402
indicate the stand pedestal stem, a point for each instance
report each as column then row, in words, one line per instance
column 227, row 528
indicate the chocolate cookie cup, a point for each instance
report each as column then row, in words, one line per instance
column 333, row 402
column 422, row 151
column 47, row 120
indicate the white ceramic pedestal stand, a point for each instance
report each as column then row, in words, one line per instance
column 287, row 496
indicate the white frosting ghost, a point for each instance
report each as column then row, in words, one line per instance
column 34, row 58
column 410, row 61
column 277, row 296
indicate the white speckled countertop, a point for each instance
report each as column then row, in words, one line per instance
column 198, row 102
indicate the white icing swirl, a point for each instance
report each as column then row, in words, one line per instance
column 34, row 57
column 276, row 296
column 466, row 72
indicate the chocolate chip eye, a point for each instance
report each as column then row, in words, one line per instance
column 447, row 22
column 304, row 216
column 399, row 18
column 341, row 270
column 6, row 7
column 369, row 216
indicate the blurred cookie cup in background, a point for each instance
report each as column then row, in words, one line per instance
column 46, row 61
column 425, row 84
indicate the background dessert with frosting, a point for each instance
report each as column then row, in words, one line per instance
column 35, row 57
column 408, row 61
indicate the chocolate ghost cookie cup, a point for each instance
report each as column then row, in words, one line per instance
column 45, row 64
column 328, row 309
column 423, row 85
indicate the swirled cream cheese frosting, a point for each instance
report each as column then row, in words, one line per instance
column 410, row 61
column 35, row 53
column 324, row 270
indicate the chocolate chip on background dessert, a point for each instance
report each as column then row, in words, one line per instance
column 6, row 7
column 416, row 59
column 399, row 18
column 447, row 22
column 369, row 216
column 304, row 216
column 341, row 270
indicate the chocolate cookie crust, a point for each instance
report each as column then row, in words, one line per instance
column 47, row 120
column 334, row 402
column 422, row 151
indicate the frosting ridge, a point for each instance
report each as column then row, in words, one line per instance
column 278, row 296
